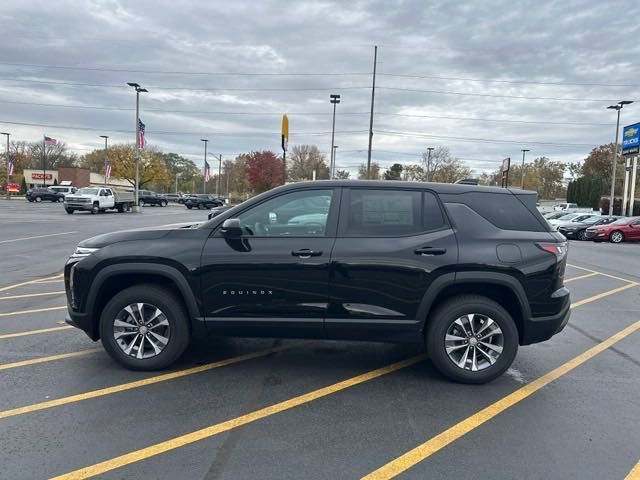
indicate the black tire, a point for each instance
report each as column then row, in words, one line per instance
column 94, row 209
column 60, row 199
column 616, row 236
column 38, row 199
column 69, row 210
column 163, row 203
column 442, row 318
column 120, row 208
column 189, row 207
column 175, row 312
column 201, row 206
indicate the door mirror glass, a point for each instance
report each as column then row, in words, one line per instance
column 231, row 228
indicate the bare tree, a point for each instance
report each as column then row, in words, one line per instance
column 304, row 160
column 443, row 167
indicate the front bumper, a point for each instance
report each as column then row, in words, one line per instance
column 569, row 233
column 539, row 329
column 84, row 322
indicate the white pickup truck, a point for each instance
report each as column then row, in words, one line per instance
column 99, row 199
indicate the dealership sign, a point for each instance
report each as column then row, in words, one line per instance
column 41, row 176
column 631, row 139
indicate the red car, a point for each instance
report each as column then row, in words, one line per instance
column 625, row 229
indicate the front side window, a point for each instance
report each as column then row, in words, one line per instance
column 302, row 213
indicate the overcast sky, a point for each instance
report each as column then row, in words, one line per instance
column 449, row 73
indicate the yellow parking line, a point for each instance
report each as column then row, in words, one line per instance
column 602, row 273
column 435, row 444
column 232, row 423
column 50, row 358
column 35, row 310
column 34, row 407
column 634, row 474
column 34, row 332
column 29, row 282
column 602, row 295
column 587, row 275
column 29, row 295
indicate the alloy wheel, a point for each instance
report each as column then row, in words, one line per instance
column 616, row 237
column 141, row 330
column 474, row 342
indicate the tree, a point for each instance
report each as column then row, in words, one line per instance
column 394, row 172
column 184, row 169
column 444, row 168
column 598, row 162
column 235, row 170
column 375, row 171
column 264, row 170
column 586, row 191
column 342, row 174
column 413, row 173
column 23, row 186
column 575, row 169
column 542, row 175
column 304, row 160
column 56, row 156
column 490, row 179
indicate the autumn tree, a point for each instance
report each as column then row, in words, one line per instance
column 304, row 160
column 598, row 163
column 342, row 175
column 394, row 172
column 184, row 169
column 542, row 175
column 413, row 173
column 264, row 170
column 442, row 167
column 375, row 171
column 235, row 171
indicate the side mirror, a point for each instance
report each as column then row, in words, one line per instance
column 231, row 228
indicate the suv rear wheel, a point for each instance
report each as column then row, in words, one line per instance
column 144, row 327
column 471, row 339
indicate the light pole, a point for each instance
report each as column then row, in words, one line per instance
column 106, row 138
column 429, row 150
column 333, row 170
column 334, row 99
column 138, row 90
column 618, row 106
column 7, row 182
column 219, row 173
column 524, row 151
column 205, row 170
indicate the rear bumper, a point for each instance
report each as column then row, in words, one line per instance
column 539, row 329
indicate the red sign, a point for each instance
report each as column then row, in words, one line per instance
column 13, row 187
column 41, row 176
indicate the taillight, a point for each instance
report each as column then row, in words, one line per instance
column 558, row 249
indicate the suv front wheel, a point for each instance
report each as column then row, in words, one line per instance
column 144, row 327
column 471, row 339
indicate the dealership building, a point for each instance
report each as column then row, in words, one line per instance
column 79, row 177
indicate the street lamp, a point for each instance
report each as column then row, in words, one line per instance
column 106, row 137
column 524, row 151
column 138, row 90
column 333, row 170
column 7, row 182
column 429, row 150
column 204, row 169
column 334, row 99
column 616, row 107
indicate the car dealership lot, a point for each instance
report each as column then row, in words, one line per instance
column 261, row 408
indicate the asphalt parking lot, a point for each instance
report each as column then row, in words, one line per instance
column 272, row 409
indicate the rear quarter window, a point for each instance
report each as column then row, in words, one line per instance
column 505, row 211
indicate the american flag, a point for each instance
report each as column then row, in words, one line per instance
column 50, row 141
column 10, row 166
column 140, row 137
column 207, row 171
column 107, row 168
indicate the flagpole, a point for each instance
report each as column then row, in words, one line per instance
column 219, row 172
column 8, row 174
column 44, row 161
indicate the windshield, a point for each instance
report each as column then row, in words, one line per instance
column 87, row 191
column 591, row 220
column 568, row 216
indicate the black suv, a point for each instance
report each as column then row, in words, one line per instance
column 146, row 197
column 202, row 201
column 473, row 272
column 40, row 194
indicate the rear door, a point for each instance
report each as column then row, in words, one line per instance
column 391, row 245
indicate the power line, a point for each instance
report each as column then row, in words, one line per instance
column 482, row 140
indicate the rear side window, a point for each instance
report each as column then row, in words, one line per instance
column 391, row 212
column 504, row 211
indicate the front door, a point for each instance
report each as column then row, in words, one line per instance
column 273, row 281
column 391, row 245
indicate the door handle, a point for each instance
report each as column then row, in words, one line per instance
column 306, row 253
column 430, row 251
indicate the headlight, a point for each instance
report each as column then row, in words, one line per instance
column 82, row 252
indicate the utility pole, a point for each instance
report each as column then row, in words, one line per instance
column 618, row 106
column 138, row 90
column 429, row 150
column 44, row 161
column 373, row 96
column 8, row 175
column 524, row 150
column 205, row 170
column 334, row 99
column 106, row 156
column 219, row 173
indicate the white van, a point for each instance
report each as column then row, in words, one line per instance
column 63, row 189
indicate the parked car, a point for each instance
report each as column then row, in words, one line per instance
column 173, row 197
column 622, row 230
column 215, row 211
column 578, row 229
column 553, row 215
column 580, row 218
column 384, row 264
column 63, row 189
column 146, row 197
column 561, row 207
column 568, row 217
column 99, row 199
column 39, row 194
column 202, row 201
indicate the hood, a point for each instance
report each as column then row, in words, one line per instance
column 124, row 236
